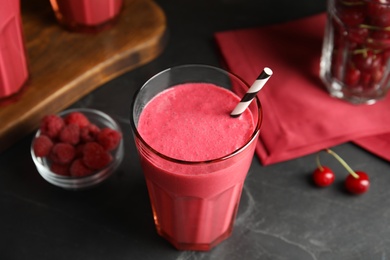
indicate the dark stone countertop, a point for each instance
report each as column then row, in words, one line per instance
column 281, row 215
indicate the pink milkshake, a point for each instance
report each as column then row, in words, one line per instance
column 86, row 15
column 13, row 62
column 195, row 156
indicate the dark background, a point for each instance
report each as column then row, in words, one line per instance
column 281, row 215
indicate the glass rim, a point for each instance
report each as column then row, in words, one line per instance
column 215, row 160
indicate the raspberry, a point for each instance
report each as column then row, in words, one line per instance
column 51, row 125
column 42, row 146
column 89, row 133
column 77, row 118
column 79, row 150
column 79, row 169
column 95, row 156
column 109, row 138
column 74, row 146
column 70, row 134
column 62, row 153
column 61, row 169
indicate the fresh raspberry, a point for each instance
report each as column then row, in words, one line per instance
column 51, row 125
column 79, row 169
column 61, row 169
column 95, row 157
column 77, row 118
column 79, row 150
column 42, row 146
column 70, row 134
column 109, row 138
column 62, row 153
column 89, row 133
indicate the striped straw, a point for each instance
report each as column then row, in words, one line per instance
column 252, row 92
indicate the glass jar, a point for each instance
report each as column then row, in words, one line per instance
column 356, row 50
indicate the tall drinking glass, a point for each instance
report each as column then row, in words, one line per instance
column 13, row 62
column 194, row 203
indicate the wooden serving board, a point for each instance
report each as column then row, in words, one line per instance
column 65, row 66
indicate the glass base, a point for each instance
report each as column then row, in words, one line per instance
column 196, row 247
column 81, row 28
column 8, row 100
column 353, row 95
column 194, row 223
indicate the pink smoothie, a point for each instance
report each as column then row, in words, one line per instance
column 194, row 205
column 13, row 63
column 194, row 123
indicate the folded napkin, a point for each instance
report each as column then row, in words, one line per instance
column 299, row 115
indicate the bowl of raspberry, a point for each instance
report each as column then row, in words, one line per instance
column 77, row 148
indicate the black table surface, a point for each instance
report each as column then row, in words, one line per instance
column 282, row 215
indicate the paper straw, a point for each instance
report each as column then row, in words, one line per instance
column 252, row 92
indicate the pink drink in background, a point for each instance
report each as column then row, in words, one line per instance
column 86, row 15
column 13, row 63
column 195, row 199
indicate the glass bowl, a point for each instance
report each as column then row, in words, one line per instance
column 101, row 120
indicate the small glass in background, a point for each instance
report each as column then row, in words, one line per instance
column 87, row 16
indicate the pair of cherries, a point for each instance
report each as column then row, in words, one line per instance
column 356, row 182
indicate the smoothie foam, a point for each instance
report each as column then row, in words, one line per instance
column 192, row 122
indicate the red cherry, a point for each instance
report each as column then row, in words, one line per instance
column 379, row 13
column 385, row 57
column 367, row 60
column 351, row 15
column 352, row 76
column 379, row 39
column 378, row 75
column 358, row 35
column 357, row 185
column 366, row 80
column 323, row 176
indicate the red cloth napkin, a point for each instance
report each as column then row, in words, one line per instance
column 299, row 115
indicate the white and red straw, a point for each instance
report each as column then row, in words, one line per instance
column 252, row 92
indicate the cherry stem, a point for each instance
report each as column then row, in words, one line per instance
column 372, row 27
column 319, row 163
column 346, row 166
